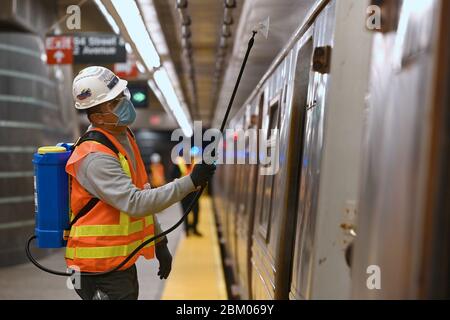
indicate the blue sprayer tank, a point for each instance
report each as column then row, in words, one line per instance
column 51, row 185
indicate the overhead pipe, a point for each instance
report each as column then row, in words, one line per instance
column 225, row 36
column 187, row 49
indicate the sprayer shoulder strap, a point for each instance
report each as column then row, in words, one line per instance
column 99, row 137
column 87, row 207
column 96, row 136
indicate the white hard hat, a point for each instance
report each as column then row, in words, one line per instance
column 155, row 158
column 95, row 85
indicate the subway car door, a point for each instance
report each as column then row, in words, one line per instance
column 312, row 136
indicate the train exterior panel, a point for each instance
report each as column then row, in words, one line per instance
column 404, row 86
column 355, row 127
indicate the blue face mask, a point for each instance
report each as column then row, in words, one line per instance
column 125, row 113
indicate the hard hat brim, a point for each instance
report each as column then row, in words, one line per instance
column 118, row 89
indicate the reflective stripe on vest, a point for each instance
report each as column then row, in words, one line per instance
column 123, row 229
column 105, row 252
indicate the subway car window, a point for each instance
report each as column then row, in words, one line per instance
column 268, row 179
column 259, row 177
column 300, row 100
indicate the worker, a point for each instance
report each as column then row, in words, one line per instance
column 109, row 188
column 157, row 176
column 182, row 169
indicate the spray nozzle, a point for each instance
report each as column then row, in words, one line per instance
column 263, row 27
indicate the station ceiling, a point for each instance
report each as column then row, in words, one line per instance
column 207, row 93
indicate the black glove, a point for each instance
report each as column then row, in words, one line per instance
column 165, row 259
column 202, row 173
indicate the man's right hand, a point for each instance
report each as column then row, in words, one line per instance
column 202, row 173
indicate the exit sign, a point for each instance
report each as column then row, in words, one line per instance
column 59, row 50
column 139, row 93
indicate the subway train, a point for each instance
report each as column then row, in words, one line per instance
column 360, row 205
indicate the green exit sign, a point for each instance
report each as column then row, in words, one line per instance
column 139, row 94
column 139, row 97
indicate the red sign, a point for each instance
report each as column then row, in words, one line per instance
column 59, row 50
column 126, row 70
column 155, row 120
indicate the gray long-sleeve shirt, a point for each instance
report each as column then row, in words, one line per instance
column 103, row 177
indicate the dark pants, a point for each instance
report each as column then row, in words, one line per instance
column 185, row 204
column 119, row 285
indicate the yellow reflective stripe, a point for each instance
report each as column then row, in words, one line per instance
column 106, row 230
column 124, row 228
column 149, row 220
column 124, row 219
column 104, row 252
column 124, row 163
column 151, row 243
column 70, row 253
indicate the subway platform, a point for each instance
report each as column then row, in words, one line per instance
column 196, row 268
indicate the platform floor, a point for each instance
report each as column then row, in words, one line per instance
column 197, row 269
column 25, row 281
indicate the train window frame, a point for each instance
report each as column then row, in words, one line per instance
column 259, row 180
column 250, row 123
column 285, row 91
column 302, row 84
column 264, row 219
column 274, row 111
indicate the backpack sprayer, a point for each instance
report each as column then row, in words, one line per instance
column 52, row 212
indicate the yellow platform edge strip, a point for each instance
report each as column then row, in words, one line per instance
column 197, row 272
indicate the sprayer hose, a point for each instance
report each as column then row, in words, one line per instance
column 128, row 258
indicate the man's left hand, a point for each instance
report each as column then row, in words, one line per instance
column 165, row 259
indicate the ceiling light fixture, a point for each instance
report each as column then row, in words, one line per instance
column 165, row 86
column 108, row 17
column 133, row 22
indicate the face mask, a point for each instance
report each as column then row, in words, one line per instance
column 125, row 113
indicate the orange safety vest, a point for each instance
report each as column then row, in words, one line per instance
column 100, row 240
column 157, row 175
